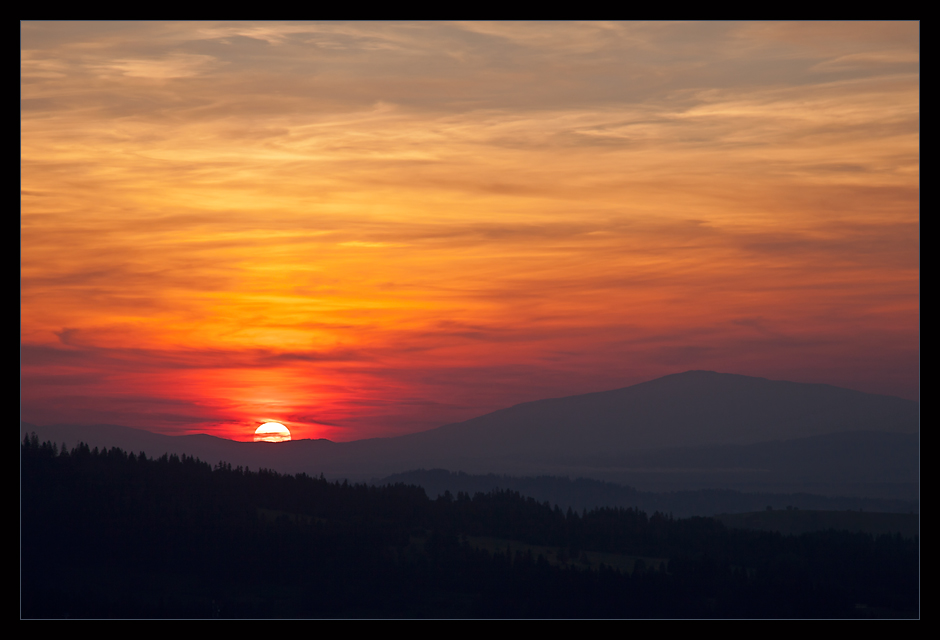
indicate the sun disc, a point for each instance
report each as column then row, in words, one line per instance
column 272, row 432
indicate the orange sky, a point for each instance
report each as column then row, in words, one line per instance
column 363, row 230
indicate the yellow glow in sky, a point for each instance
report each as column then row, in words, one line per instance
column 375, row 228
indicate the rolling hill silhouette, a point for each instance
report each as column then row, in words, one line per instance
column 692, row 429
column 679, row 410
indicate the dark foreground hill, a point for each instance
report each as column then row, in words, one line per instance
column 693, row 430
column 109, row 534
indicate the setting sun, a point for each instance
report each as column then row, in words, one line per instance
column 272, row 432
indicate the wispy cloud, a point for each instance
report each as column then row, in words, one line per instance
column 388, row 224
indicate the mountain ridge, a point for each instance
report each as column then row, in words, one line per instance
column 809, row 409
column 710, row 414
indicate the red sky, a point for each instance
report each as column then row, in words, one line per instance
column 364, row 230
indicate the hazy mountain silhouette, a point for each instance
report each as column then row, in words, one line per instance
column 685, row 409
column 696, row 429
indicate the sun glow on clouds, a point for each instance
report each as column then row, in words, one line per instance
column 372, row 229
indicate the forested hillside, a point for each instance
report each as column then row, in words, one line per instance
column 115, row 534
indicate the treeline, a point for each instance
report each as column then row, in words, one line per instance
column 585, row 493
column 114, row 534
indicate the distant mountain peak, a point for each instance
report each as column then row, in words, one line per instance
column 681, row 409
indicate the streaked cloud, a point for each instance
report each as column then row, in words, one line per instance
column 394, row 225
